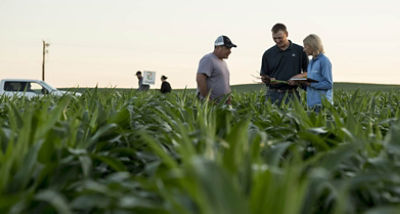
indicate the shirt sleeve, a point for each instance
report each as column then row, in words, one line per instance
column 205, row 66
column 304, row 61
column 326, row 73
column 264, row 65
column 167, row 87
column 162, row 87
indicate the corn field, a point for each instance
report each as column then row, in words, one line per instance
column 129, row 152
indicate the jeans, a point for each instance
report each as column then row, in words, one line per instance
column 316, row 108
column 277, row 97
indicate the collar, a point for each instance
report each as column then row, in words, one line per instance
column 215, row 56
column 317, row 57
column 288, row 48
column 290, row 45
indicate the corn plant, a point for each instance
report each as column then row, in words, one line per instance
column 124, row 151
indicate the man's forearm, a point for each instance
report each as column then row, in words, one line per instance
column 202, row 84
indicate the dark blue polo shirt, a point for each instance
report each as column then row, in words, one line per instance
column 282, row 65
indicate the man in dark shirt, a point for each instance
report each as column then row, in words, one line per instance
column 280, row 63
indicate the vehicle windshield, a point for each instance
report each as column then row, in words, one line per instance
column 48, row 86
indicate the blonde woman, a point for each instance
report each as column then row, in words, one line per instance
column 319, row 69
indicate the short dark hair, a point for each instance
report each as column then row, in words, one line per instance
column 279, row 27
column 164, row 77
column 138, row 72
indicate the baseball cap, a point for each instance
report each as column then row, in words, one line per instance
column 224, row 41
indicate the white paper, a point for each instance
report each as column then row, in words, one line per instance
column 300, row 79
column 149, row 77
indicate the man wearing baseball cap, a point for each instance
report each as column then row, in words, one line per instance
column 213, row 74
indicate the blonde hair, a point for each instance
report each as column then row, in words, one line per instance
column 315, row 43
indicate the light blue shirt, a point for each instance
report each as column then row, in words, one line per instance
column 320, row 69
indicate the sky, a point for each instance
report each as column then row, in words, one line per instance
column 104, row 42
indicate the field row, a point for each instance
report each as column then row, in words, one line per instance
column 127, row 152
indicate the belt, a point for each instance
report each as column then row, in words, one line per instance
column 292, row 90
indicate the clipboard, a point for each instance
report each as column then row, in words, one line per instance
column 304, row 79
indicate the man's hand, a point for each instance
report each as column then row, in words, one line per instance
column 302, row 75
column 273, row 82
column 293, row 83
column 229, row 100
column 266, row 79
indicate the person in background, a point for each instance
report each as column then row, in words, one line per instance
column 213, row 74
column 280, row 63
column 142, row 87
column 165, row 86
column 319, row 69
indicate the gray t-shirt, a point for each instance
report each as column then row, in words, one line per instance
column 217, row 74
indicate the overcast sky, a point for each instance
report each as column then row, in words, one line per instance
column 105, row 42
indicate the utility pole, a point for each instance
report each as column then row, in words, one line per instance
column 45, row 45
